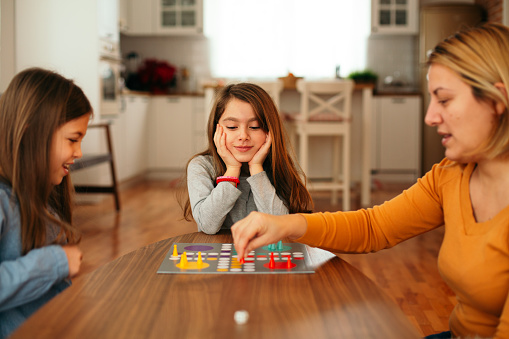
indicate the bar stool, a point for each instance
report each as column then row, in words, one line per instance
column 326, row 110
column 274, row 88
column 89, row 160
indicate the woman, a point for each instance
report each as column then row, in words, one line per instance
column 468, row 192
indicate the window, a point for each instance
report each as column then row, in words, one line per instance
column 269, row 38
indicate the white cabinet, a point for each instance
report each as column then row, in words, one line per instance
column 171, row 141
column 394, row 16
column 108, row 20
column 200, row 117
column 130, row 140
column 163, row 17
column 396, row 134
column 136, row 141
column 179, row 16
column 139, row 17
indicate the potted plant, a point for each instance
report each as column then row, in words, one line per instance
column 364, row 77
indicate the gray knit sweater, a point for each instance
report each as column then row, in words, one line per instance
column 219, row 206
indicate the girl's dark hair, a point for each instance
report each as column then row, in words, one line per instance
column 279, row 165
column 35, row 104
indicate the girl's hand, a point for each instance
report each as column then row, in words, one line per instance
column 223, row 151
column 256, row 164
column 74, row 258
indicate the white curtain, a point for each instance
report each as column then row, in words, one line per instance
column 269, row 38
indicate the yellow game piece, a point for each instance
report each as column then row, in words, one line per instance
column 183, row 260
column 199, row 262
column 175, row 253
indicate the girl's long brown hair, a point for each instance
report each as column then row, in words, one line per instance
column 32, row 108
column 279, row 165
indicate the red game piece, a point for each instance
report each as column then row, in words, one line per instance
column 241, row 260
column 272, row 264
column 289, row 263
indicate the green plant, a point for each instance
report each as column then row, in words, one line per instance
column 363, row 76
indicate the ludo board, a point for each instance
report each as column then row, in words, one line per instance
column 221, row 258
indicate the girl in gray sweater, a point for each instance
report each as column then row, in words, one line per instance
column 246, row 166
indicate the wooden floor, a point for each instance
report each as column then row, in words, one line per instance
column 407, row 273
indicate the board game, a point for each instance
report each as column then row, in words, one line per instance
column 221, row 258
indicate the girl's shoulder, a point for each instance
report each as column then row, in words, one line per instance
column 201, row 164
column 7, row 204
column 202, row 161
column 5, row 192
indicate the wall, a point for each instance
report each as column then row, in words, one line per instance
column 60, row 35
column 7, row 56
column 395, row 56
column 494, row 9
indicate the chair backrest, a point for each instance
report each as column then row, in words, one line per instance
column 329, row 100
column 274, row 88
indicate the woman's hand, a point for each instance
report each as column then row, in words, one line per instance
column 256, row 164
column 259, row 229
column 224, row 152
column 74, row 258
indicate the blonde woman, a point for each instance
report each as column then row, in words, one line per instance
column 467, row 193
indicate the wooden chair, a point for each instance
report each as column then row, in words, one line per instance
column 326, row 110
column 89, row 160
column 274, row 88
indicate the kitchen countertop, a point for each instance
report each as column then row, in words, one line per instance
column 179, row 94
column 400, row 91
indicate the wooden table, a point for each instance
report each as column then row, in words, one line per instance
column 128, row 299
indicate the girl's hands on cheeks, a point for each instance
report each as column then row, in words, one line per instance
column 74, row 258
column 259, row 229
column 223, row 151
column 256, row 164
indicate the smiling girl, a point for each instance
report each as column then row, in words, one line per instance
column 43, row 119
column 246, row 167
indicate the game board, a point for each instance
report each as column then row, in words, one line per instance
column 221, row 258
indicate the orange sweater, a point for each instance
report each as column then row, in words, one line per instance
column 473, row 259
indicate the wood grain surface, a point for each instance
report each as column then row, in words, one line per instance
column 126, row 298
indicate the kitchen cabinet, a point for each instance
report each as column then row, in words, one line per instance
column 130, row 137
column 172, row 126
column 200, row 117
column 179, row 16
column 136, row 135
column 396, row 135
column 108, row 20
column 139, row 17
column 163, row 17
column 394, row 17
column 123, row 12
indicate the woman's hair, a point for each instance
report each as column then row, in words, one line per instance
column 279, row 166
column 36, row 103
column 480, row 55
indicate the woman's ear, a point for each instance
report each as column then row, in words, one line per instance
column 500, row 106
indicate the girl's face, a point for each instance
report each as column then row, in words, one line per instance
column 463, row 121
column 66, row 146
column 244, row 136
